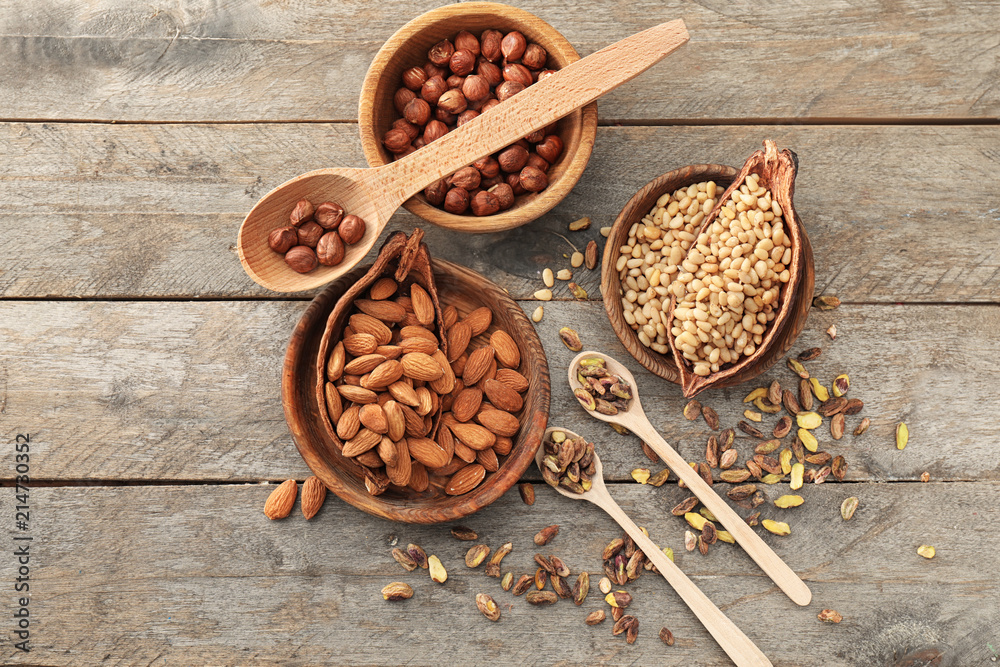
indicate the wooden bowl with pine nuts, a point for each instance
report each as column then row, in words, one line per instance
column 633, row 331
column 409, row 48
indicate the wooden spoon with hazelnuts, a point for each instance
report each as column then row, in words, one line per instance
column 374, row 194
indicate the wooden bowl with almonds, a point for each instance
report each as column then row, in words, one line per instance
column 440, row 495
column 634, row 334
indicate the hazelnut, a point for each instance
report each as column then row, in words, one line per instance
column 396, row 141
column 466, row 178
column 487, row 183
column 490, row 45
column 513, row 44
column 533, row 179
column 466, row 116
column 492, row 73
column 462, row 62
column 453, row 102
column 487, row 166
column 441, row 53
column 550, row 148
column 303, row 212
column 485, row 203
column 443, row 116
column 544, row 74
column 436, row 191
column 534, row 56
column 504, row 195
column 456, row 201
column 301, row 258
column 406, row 126
column 476, row 87
column 282, row 238
column 409, row 149
column 402, row 98
column 513, row 158
column 518, row 74
column 329, row 214
column 417, row 111
column 454, row 81
column 508, row 89
column 419, row 143
column 514, row 181
column 432, row 70
column 309, row 234
column 330, row 249
column 538, row 162
column 432, row 89
column 535, row 136
column 434, row 130
column 466, row 41
column 489, row 105
column 352, row 229
column 414, row 77
column 522, row 142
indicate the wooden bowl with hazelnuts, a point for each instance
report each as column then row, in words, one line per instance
column 443, row 69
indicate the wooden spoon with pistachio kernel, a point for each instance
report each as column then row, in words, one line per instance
column 616, row 381
column 737, row 645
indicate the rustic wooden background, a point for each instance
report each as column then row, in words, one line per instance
column 145, row 365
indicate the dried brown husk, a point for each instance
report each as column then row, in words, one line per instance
column 776, row 171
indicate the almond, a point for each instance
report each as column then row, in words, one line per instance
column 387, row 311
column 362, row 323
column 389, row 351
column 418, row 344
column 415, row 424
column 349, row 423
column 449, row 316
column 410, row 320
column 382, row 289
column 360, row 344
column 420, row 366
column 458, row 366
column 499, row 422
column 356, row 394
column 459, row 336
column 466, row 479
column 405, row 302
column 423, row 307
column 279, row 504
column 479, row 320
column 478, row 364
column 446, row 383
column 463, row 451
column 503, row 445
column 313, row 495
column 507, row 353
column 383, row 375
column 467, row 404
column 419, row 481
column 473, row 435
column 386, row 450
column 428, row 452
column 426, row 405
column 370, row 459
column 365, row 439
column 512, row 379
column 417, row 331
column 373, row 418
column 401, row 470
column 335, row 365
column 446, row 440
column 502, row 396
column 447, row 471
column 488, row 459
column 395, row 422
column 363, row 364
column 404, row 393
column 334, row 406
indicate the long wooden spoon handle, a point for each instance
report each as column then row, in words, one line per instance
column 773, row 566
column 539, row 105
column 737, row 645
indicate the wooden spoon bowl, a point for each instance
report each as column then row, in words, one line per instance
column 408, row 48
column 467, row 291
column 638, row 207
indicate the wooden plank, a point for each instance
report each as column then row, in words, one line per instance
column 190, row 391
column 197, row 575
column 152, row 211
column 255, row 60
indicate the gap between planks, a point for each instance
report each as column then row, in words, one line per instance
column 602, row 122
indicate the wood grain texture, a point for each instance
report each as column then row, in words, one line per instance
column 255, row 60
column 175, row 575
column 191, row 391
column 152, row 211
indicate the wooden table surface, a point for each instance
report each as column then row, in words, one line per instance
column 145, row 365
